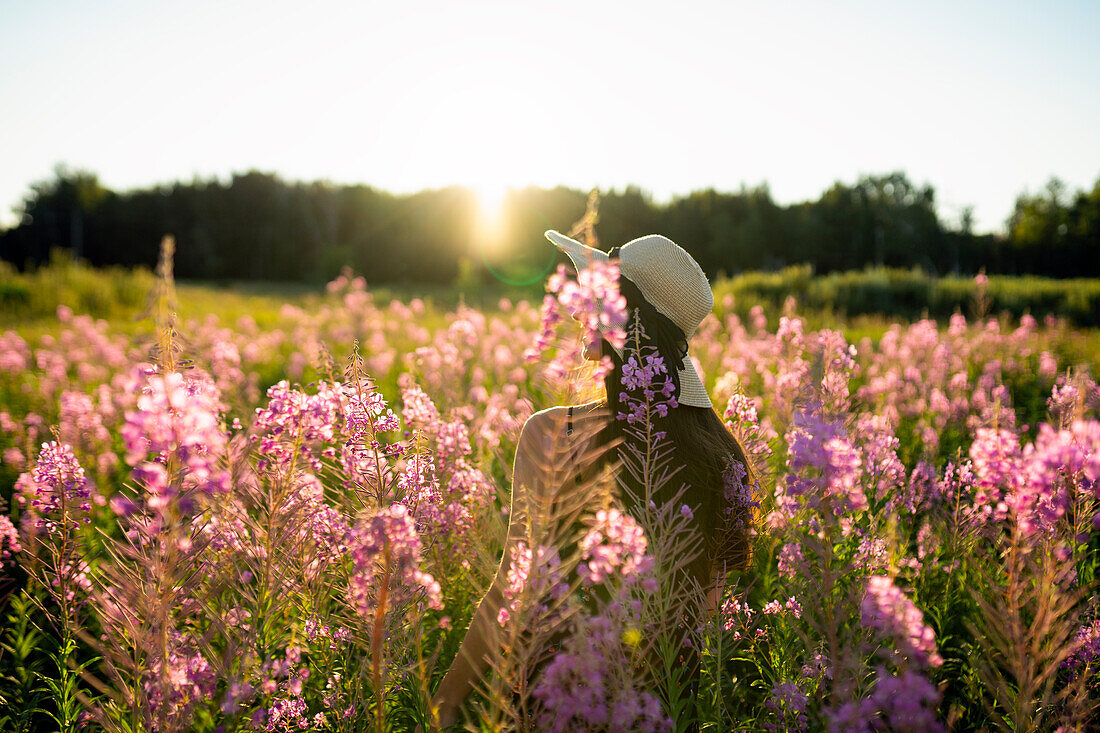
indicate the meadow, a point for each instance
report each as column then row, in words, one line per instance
column 260, row 510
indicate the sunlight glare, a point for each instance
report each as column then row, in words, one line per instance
column 489, row 231
column 490, row 202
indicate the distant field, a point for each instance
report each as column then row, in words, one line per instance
column 845, row 297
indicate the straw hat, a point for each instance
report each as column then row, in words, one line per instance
column 670, row 279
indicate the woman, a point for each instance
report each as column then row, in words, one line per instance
column 667, row 295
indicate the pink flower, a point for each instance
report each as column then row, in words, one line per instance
column 385, row 551
column 179, row 416
column 176, row 685
column 9, row 538
column 886, row 608
column 615, row 542
column 823, row 462
column 537, row 573
column 593, row 300
column 589, row 684
column 60, row 491
column 1086, row 650
column 295, row 424
column 788, row 704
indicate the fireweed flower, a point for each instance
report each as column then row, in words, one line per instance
column 995, row 456
column 593, row 300
column 883, row 472
column 15, row 353
column 871, row 554
column 741, row 417
column 441, row 514
column 71, row 579
column 57, row 483
column 9, row 538
column 776, row 608
column 13, row 457
column 958, row 481
column 859, row 716
column 176, row 685
column 367, row 415
column 818, row 667
column 791, row 560
column 418, row 411
column 80, row 424
column 838, row 358
column 886, row 608
column 788, row 704
column 907, row 702
column 735, row 613
column 740, row 499
column 385, row 554
column 647, row 374
column 418, row 482
column 1033, row 484
column 1058, row 465
column 1086, row 651
column 180, row 417
column 549, row 319
column 335, row 635
column 538, row 573
column 589, row 684
column 287, row 714
column 1063, row 401
column 452, row 441
column 295, row 424
column 615, row 542
column 920, row 491
column 318, row 526
column 822, row 462
column 651, row 395
column 444, row 490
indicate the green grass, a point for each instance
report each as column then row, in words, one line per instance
column 860, row 304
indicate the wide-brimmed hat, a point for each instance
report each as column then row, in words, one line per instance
column 670, row 279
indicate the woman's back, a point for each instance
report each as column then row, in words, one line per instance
column 654, row 449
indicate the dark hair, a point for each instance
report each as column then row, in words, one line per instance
column 702, row 446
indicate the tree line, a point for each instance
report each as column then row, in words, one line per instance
column 259, row 226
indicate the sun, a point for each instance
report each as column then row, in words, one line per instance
column 489, row 230
column 490, row 202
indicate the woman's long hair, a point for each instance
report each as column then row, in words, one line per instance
column 703, row 448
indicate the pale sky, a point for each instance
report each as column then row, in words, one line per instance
column 980, row 99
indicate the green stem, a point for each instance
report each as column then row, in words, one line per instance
column 376, row 644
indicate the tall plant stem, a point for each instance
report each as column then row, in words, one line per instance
column 376, row 643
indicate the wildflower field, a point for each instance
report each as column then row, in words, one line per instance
column 284, row 521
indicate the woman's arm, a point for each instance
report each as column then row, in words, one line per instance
column 472, row 660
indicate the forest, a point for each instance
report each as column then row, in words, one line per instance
column 258, row 226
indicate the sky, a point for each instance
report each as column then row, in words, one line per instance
column 982, row 100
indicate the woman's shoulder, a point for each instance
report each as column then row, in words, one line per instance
column 562, row 430
column 547, row 414
column 559, row 418
column 545, row 422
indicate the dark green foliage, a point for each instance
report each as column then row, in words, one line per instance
column 24, row 697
